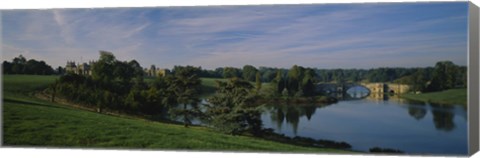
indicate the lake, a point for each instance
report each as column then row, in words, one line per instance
column 376, row 120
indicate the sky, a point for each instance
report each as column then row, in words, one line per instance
column 368, row 35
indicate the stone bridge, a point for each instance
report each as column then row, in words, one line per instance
column 373, row 88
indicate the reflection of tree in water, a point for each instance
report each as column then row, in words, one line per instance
column 442, row 114
column 277, row 116
column 443, row 119
column 416, row 109
column 290, row 113
column 417, row 112
column 293, row 117
column 309, row 111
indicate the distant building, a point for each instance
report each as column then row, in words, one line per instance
column 81, row 69
column 156, row 72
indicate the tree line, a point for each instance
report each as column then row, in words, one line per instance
column 20, row 65
column 444, row 75
column 120, row 86
column 175, row 96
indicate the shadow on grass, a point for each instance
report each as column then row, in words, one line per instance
column 15, row 101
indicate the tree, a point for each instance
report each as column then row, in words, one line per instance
column 53, row 87
column 185, row 86
column 308, row 87
column 338, row 76
column 123, row 72
column 20, row 65
column 137, row 69
column 462, row 76
column 102, row 69
column 19, row 60
column 60, row 70
column 230, row 72
column 268, row 74
column 249, row 73
column 419, row 80
column 278, row 83
column 444, row 76
column 232, row 109
column 7, row 67
column 294, row 76
column 258, row 82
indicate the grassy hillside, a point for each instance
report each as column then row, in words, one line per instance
column 28, row 121
column 451, row 96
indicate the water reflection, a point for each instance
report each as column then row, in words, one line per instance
column 385, row 118
column 291, row 114
column 417, row 112
column 357, row 92
column 353, row 93
column 443, row 117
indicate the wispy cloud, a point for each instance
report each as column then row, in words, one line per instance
column 325, row 36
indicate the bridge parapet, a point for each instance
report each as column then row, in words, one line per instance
column 372, row 87
column 398, row 88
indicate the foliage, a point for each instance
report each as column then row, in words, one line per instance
column 185, row 88
column 232, row 109
column 258, row 82
column 278, row 83
column 230, row 72
column 102, row 69
column 249, row 73
column 444, row 76
column 20, row 65
column 300, row 82
column 114, row 85
column 28, row 121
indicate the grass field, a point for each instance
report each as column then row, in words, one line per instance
column 451, row 96
column 28, row 121
column 208, row 84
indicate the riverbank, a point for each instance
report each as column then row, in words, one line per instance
column 449, row 97
column 29, row 121
column 298, row 100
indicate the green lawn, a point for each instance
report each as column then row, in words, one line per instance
column 28, row 121
column 208, row 84
column 451, row 96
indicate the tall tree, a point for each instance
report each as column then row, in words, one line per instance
column 444, row 76
column 258, row 82
column 308, row 85
column 232, row 109
column 185, row 86
column 102, row 69
column 278, row 83
column 294, row 76
column 249, row 72
column 419, row 80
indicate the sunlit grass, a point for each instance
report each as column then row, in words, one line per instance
column 28, row 121
column 451, row 96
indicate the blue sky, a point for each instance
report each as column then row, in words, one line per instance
column 323, row 36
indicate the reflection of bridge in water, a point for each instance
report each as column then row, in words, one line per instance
column 375, row 91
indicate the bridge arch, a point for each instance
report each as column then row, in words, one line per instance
column 379, row 88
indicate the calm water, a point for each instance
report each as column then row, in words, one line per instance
column 376, row 121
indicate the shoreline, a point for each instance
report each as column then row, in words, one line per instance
column 448, row 97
